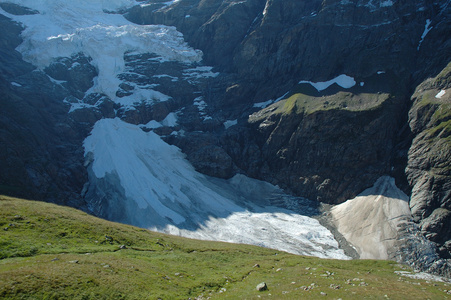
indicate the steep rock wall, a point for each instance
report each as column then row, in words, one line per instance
column 428, row 168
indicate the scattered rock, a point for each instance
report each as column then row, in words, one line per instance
column 262, row 287
column 122, row 247
column 55, row 259
column 256, row 266
column 74, row 261
column 323, row 294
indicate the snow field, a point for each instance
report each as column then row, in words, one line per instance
column 65, row 28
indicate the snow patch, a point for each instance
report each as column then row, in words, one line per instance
column 201, row 107
column 194, row 74
column 269, row 102
column 152, row 124
column 230, row 123
column 171, row 120
column 343, row 80
column 386, row 3
column 427, row 28
column 265, row 10
column 141, row 95
column 169, row 3
column 263, row 104
column 173, row 78
column 16, row 84
column 440, row 94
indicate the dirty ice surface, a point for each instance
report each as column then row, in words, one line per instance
column 158, row 179
column 370, row 221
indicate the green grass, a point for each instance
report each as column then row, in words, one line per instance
column 55, row 252
column 303, row 103
column 438, row 111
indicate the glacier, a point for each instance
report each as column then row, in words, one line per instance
column 160, row 184
column 145, row 181
column 62, row 29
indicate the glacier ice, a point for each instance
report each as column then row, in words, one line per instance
column 158, row 180
column 65, row 28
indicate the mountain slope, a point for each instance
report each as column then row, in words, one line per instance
column 50, row 251
column 311, row 96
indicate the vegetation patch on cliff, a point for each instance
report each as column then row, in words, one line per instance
column 304, row 100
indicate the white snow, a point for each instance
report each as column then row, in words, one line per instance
column 194, row 74
column 427, row 28
column 152, row 124
column 230, row 123
column 79, row 105
column 164, row 193
column 173, row 78
column 380, row 72
column 263, row 104
column 343, row 80
column 142, row 95
column 169, row 3
column 440, row 94
column 269, row 102
column 201, row 106
column 170, row 120
column 64, row 28
column 16, row 84
column 386, row 3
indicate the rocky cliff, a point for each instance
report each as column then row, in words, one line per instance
column 428, row 167
column 319, row 97
column 331, row 144
column 40, row 153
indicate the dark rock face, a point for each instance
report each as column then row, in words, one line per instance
column 18, row 10
column 333, row 151
column 327, row 155
column 40, row 156
column 428, row 168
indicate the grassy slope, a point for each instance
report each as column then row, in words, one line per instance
column 54, row 252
